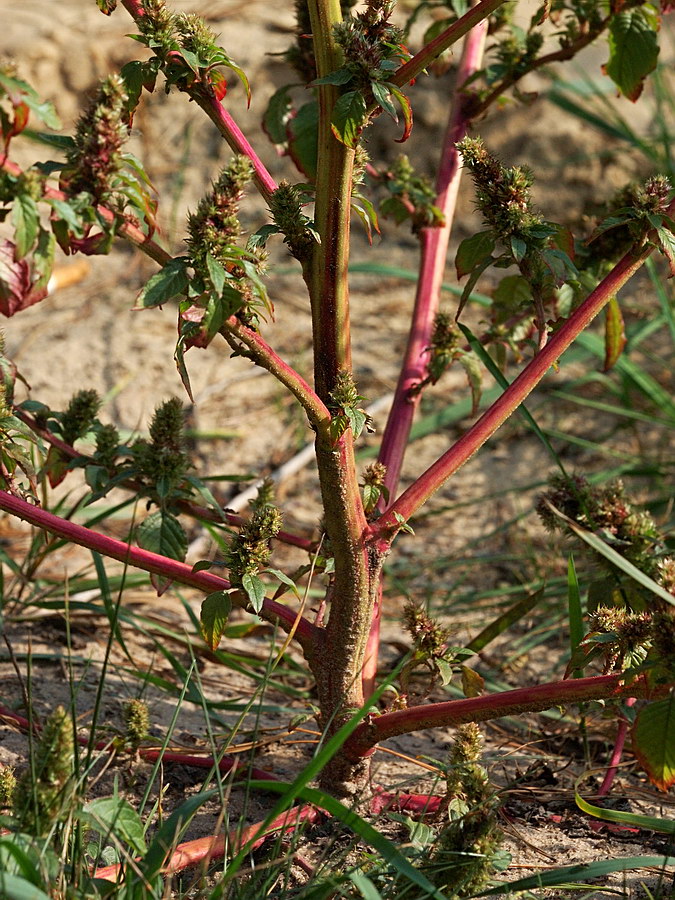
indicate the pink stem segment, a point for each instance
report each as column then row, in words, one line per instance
column 617, row 753
column 308, row 635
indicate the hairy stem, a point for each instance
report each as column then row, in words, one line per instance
column 308, row 635
column 493, row 706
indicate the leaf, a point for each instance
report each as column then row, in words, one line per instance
column 382, row 94
column 474, row 373
column 615, row 334
column 284, row 579
column 260, row 237
column 26, row 220
column 633, row 49
column 518, row 248
column 17, row 290
column 653, row 737
column 406, row 109
column 162, row 533
column 171, row 281
column 473, row 684
column 473, row 251
column 255, row 590
column 349, row 116
column 339, row 77
column 56, row 466
column 666, row 243
column 277, row 116
column 107, row 7
column 217, row 274
column 303, row 139
column 116, row 815
column 213, row 617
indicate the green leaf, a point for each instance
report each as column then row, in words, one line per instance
column 473, row 251
column 107, row 7
column 574, row 613
column 162, row 533
column 364, row 885
column 303, row 139
column 339, row 77
column 382, row 95
column 26, row 220
column 217, row 274
column 284, row 579
column 654, row 742
column 474, row 373
column 349, row 116
column 255, row 590
column 518, row 248
column 666, row 242
column 116, row 815
column 633, row 49
column 171, row 281
column 213, row 617
column 406, row 109
column 277, row 116
column 259, row 239
column 615, row 334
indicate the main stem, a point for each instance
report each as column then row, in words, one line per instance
column 350, row 594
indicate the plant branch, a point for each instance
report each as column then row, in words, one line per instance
column 128, row 230
column 203, row 96
column 308, row 635
column 201, row 513
column 434, row 249
column 263, row 355
column 445, row 39
column 494, row 706
column 429, row 482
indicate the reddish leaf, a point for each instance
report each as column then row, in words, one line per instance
column 218, row 83
column 18, row 290
column 56, row 466
column 615, row 334
column 406, row 109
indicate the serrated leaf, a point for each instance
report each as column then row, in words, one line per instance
column 261, row 236
column 615, row 334
column 162, row 533
column 215, row 611
column 357, row 419
column 115, row 815
column 217, row 274
column 473, row 251
column 170, row 282
column 349, row 116
column 255, row 590
column 633, row 49
column 518, row 248
column 653, row 738
column 26, row 220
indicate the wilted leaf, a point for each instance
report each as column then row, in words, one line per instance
column 654, row 741
column 213, row 617
column 615, row 335
column 473, row 684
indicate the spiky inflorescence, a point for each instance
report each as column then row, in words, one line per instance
column 79, row 415
column 214, row 228
column 286, row 210
column 473, row 828
column 136, row 722
column 7, row 787
column 107, row 443
column 96, row 158
column 164, row 457
column 603, row 509
column 249, row 550
column 367, row 40
column 42, row 797
column 502, row 192
column 429, row 638
column 158, row 22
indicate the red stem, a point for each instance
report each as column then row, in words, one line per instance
column 617, row 752
column 434, row 243
column 203, row 850
column 308, row 635
column 493, row 706
column 431, row 480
